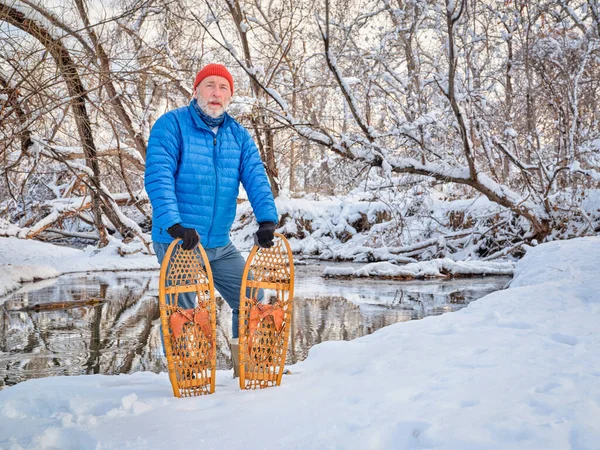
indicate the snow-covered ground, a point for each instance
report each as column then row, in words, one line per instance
column 23, row 260
column 11, row 276
column 518, row 369
column 406, row 224
column 366, row 226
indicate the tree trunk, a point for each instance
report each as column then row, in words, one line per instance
column 261, row 125
column 13, row 100
column 508, row 98
column 115, row 98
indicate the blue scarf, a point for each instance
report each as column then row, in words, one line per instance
column 210, row 121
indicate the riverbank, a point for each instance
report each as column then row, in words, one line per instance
column 24, row 260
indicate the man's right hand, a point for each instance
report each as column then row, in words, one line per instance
column 188, row 235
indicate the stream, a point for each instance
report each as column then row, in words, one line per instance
column 108, row 322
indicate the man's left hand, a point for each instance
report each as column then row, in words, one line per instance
column 265, row 234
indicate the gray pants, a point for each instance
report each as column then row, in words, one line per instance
column 227, row 265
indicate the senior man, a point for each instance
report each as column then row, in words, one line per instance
column 197, row 157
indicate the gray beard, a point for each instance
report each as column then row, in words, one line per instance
column 204, row 107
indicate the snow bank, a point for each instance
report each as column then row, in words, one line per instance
column 382, row 226
column 38, row 260
column 437, row 268
column 11, row 276
column 519, row 368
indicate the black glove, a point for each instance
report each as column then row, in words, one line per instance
column 265, row 234
column 189, row 235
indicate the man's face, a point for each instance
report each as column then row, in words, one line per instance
column 213, row 95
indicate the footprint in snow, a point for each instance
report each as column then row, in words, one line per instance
column 566, row 339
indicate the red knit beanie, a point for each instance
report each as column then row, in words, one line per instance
column 214, row 69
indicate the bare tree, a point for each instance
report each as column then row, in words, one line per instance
column 497, row 100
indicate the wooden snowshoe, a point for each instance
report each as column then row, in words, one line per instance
column 264, row 329
column 189, row 334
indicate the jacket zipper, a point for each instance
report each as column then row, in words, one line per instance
column 216, row 186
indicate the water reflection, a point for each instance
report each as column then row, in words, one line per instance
column 109, row 322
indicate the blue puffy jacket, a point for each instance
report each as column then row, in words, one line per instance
column 193, row 176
